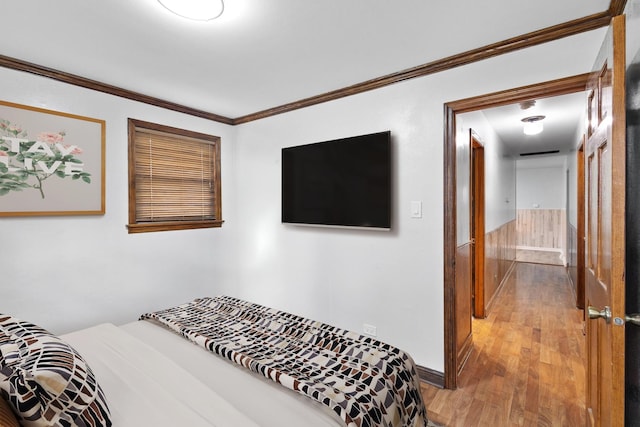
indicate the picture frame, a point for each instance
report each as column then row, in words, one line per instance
column 51, row 162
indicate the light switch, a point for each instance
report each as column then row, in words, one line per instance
column 416, row 209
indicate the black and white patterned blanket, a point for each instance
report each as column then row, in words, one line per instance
column 366, row 382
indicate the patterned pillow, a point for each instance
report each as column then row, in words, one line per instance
column 46, row 381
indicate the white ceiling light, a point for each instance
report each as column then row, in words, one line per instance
column 532, row 125
column 199, row 10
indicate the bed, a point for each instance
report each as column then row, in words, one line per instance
column 210, row 362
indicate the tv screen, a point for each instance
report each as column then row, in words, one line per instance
column 344, row 182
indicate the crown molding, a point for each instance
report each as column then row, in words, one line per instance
column 39, row 70
column 555, row 32
column 523, row 41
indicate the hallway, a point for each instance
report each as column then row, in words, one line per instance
column 528, row 363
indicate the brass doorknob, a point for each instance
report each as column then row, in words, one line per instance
column 605, row 313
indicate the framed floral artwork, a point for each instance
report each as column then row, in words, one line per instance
column 51, row 163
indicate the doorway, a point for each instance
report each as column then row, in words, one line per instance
column 543, row 90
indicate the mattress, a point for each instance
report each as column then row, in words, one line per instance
column 151, row 376
column 365, row 381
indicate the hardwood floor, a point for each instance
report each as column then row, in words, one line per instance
column 528, row 363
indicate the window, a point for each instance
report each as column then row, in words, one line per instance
column 174, row 179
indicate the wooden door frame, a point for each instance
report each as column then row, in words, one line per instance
column 477, row 223
column 542, row 90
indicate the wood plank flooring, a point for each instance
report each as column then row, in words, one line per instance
column 528, row 363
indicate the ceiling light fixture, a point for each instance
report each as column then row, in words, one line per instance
column 198, row 10
column 532, row 125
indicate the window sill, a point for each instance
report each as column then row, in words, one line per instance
column 149, row 227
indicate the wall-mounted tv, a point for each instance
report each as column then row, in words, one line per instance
column 344, row 182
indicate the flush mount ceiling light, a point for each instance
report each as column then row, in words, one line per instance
column 198, row 10
column 532, row 125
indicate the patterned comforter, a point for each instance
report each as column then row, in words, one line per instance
column 366, row 382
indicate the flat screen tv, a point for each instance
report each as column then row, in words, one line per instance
column 341, row 183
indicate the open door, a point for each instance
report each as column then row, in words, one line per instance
column 477, row 224
column 580, row 227
column 605, row 232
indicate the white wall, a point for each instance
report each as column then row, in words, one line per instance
column 500, row 184
column 572, row 167
column 632, row 12
column 69, row 272
column 394, row 280
column 541, row 184
column 500, row 173
column 463, row 179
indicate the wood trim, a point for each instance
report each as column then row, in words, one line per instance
column 616, row 7
column 547, row 89
column 618, row 199
column 551, row 88
column 500, row 255
column 450, row 246
column 477, row 224
column 150, row 227
column 135, row 124
column 523, row 41
column 530, row 222
column 493, row 298
column 430, row 376
column 76, row 80
column 534, row 38
column 134, row 226
column 463, row 304
column 580, row 226
column 465, row 352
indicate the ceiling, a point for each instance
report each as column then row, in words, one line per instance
column 563, row 117
column 261, row 54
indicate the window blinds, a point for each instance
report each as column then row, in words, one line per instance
column 174, row 178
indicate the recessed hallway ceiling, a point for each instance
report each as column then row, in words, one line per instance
column 563, row 117
column 261, row 53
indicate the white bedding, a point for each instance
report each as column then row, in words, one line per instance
column 153, row 377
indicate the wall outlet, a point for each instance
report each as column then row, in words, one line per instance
column 369, row 330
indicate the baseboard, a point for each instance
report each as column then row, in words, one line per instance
column 538, row 248
column 430, row 376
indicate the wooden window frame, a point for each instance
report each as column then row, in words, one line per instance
column 137, row 226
